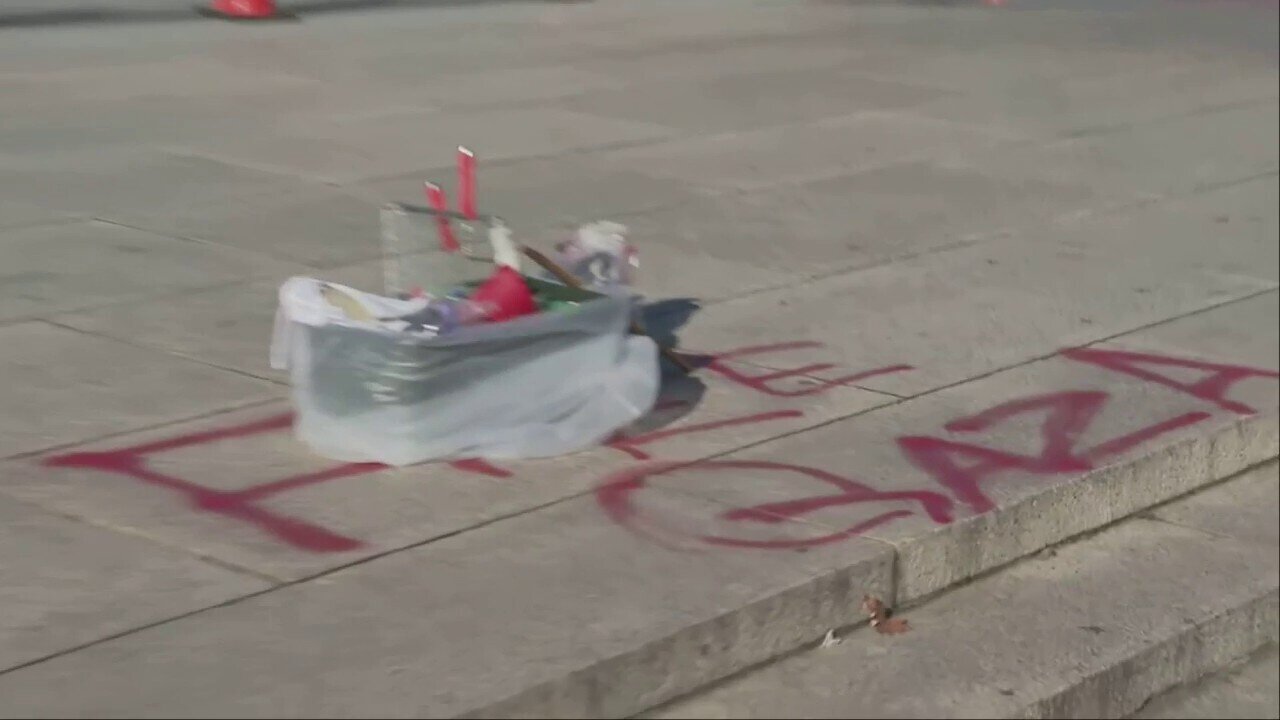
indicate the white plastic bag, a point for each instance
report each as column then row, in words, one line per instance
column 537, row 386
column 600, row 256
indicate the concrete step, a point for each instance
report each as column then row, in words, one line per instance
column 604, row 587
column 1092, row 628
column 1249, row 690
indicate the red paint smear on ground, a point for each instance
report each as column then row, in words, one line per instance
column 760, row 383
column 616, row 497
column 297, row 533
column 1212, row 389
column 239, row 505
column 1067, row 416
column 629, row 445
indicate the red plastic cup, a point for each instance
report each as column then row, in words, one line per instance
column 506, row 295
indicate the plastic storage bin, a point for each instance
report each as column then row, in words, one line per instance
column 536, row 386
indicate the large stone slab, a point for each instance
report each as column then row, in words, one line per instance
column 1175, row 155
column 52, row 125
column 364, row 148
column 744, row 102
column 965, row 312
column 1245, row 330
column 504, row 86
column 164, row 192
column 70, row 266
column 228, row 326
column 68, row 583
column 967, row 478
column 742, row 58
column 1093, row 629
column 1000, row 55
column 1047, row 107
column 1243, row 507
column 1230, row 229
column 315, row 225
column 658, row 29
column 804, row 151
column 64, row 387
column 877, row 216
column 231, row 326
column 542, row 193
column 240, row 488
column 554, row 613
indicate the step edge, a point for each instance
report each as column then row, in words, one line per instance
column 1249, row 440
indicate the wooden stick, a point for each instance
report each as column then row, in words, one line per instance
column 568, row 278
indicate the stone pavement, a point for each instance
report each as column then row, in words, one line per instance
column 887, row 222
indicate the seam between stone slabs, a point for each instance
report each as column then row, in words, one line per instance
column 983, row 237
column 354, row 179
column 141, row 535
column 1089, row 131
column 1151, row 513
column 119, row 341
column 143, row 346
column 191, row 240
column 999, row 140
column 1108, row 210
column 177, row 293
column 140, row 429
column 70, row 219
column 1046, row 356
column 677, row 135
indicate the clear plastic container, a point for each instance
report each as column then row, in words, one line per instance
column 534, row 386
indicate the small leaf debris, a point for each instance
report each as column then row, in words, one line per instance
column 830, row 639
column 880, row 617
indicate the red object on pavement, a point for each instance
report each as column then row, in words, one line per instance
column 438, row 202
column 506, row 295
column 243, row 9
column 467, row 183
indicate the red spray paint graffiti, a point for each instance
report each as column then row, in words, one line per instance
column 761, row 383
column 617, row 497
column 959, row 467
column 1067, row 417
column 1212, row 389
column 241, row 504
column 962, row 468
column 630, row 445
